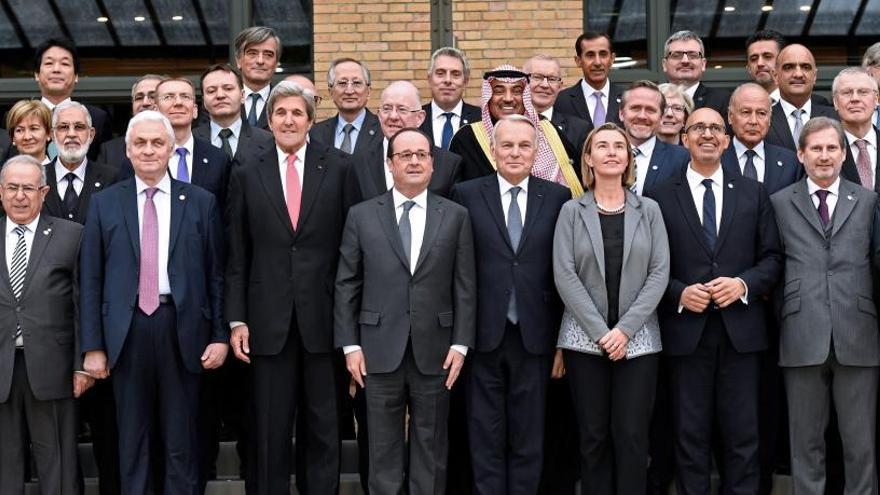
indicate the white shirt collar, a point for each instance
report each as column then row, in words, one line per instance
column 235, row 128
column 788, row 108
column 438, row 112
column 834, row 188
column 300, row 154
column 51, row 105
column 421, row 199
column 871, row 137
column 647, row 148
column 690, row 90
column 695, row 179
column 589, row 90
column 740, row 148
column 548, row 113
column 264, row 93
column 506, row 186
column 31, row 227
column 774, row 96
column 61, row 171
column 164, row 184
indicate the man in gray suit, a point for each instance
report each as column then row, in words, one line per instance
column 829, row 346
column 405, row 311
column 39, row 342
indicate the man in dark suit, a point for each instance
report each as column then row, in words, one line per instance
column 405, row 310
column 39, row 350
column 398, row 109
column 855, row 98
column 641, row 107
column 545, row 79
column 518, row 313
column 354, row 126
column 762, row 48
column 257, row 53
column 143, row 97
column 287, row 209
column 796, row 75
column 684, row 62
column 725, row 259
column 448, row 76
column 194, row 160
column 56, row 70
column 222, row 94
column 152, row 304
column 594, row 98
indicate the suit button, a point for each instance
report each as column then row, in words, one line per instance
column 516, row 263
column 18, row 309
column 507, row 291
column 830, row 274
column 293, row 248
column 714, row 265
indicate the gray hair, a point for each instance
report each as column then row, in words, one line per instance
column 70, row 104
column 817, row 124
column 287, row 88
column 739, row 89
column 670, row 89
column 27, row 160
column 331, row 72
column 149, row 116
column 453, row 52
column 872, row 56
column 254, row 36
column 684, row 35
column 145, row 77
column 852, row 71
column 514, row 118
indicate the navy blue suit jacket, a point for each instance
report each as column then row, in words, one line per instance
column 528, row 270
column 667, row 162
column 850, row 172
column 781, row 167
column 110, row 263
column 748, row 246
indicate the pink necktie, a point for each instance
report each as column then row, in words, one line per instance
column 863, row 164
column 294, row 191
column 148, row 284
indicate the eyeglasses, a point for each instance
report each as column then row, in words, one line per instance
column 860, row 92
column 678, row 55
column 407, row 156
column 543, row 77
column 402, row 111
column 78, row 128
column 356, row 85
column 700, row 129
column 171, row 97
column 28, row 190
column 676, row 109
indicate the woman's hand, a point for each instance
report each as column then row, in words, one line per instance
column 614, row 342
column 558, row 370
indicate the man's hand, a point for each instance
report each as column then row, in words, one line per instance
column 95, row 364
column 214, row 355
column 726, row 291
column 558, row 370
column 81, row 383
column 454, row 362
column 696, row 298
column 357, row 366
column 614, row 342
column 239, row 341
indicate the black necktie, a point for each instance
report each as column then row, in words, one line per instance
column 749, row 169
column 225, row 134
column 709, row 214
column 406, row 231
column 71, row 199
column 252, row 115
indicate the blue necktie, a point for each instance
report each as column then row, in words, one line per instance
column 252, row 115
column 514, row 230
column 709, row 214
column 447, row 131
column 182, row 171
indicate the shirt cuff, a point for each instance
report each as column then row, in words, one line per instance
column 745, row 296
column 81, row 372
column 680, row 308
column 348, row 349
column 461, row 349
column 233, row 324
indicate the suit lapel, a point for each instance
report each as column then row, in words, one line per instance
column 433, row 220
column 580, row 103
column 52, row 199
column 130, row 213
column 772, row 169
column 271, row 179
column 689, row 212
column 779, row 126
column 38, row 247
column 177, row 203
column 655, row 164
column 729, row 162
column 631, row 218
column 91, row 185
column 376, row 167
column 590, row 217
column 200, row 163
column 492, row 197
column 728, row 209
column 244, row 139
column 388, row 221
column 4, row 276
column 846, row 202
column 313, row 176
column 800, row 197
column 534, row 202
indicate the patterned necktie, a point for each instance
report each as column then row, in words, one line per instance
column 17, row 270
column 447, row 131
column 822, row 194
column 514, row 230
column 224, row 135
column 252, row 114
column 406, row 231
column 798, row 123
column 599, row 111
column 71, row 199
column 294, row 191
column 182, row 170
column 635, row 187
column 863, row 164
column 148, row 280
column 709, row 214
column 346, row 138
column 749, row 170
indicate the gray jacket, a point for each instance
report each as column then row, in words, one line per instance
column 579, row 270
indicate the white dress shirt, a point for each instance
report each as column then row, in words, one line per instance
column 774, row 97
column 261, row 102
column 299, row 164
column 759, row 159
column 788, row 108
column 12, row 240
column 691, row 90
column 830, row 200
column 174, row 159
column 51, row 105
column 60, row 175
column 233, row 139
column 591, row 100
column 643, row 161
column 871, row 138
column 522, row 197
column 389, row 178
column 547, row 114
column 162, row 200
column 417, row 216
column 439, row 120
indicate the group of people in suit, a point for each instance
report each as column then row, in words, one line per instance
column 460, row 287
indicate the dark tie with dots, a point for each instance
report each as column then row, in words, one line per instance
column 71, row 198
column 709, row 214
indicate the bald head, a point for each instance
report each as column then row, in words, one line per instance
column 796, row 74
column 404, row 89
column 399, row 107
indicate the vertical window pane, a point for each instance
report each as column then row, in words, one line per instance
column 625, row 22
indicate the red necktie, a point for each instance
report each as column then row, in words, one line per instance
column 294, row 191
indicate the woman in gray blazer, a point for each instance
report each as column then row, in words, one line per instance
column 611, row 265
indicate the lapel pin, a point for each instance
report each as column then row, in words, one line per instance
column 654, row 167
column 204, row 160
column 559, row 127
column 730, row 185
column 181, row 197
column 464, row 121
column 372, row 132
column 849, row 197
column 97, row 184
column 778, row 163
column 47, row 231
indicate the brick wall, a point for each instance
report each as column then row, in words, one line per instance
column 393, row 37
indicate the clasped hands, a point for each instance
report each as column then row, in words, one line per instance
column 724, row 291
